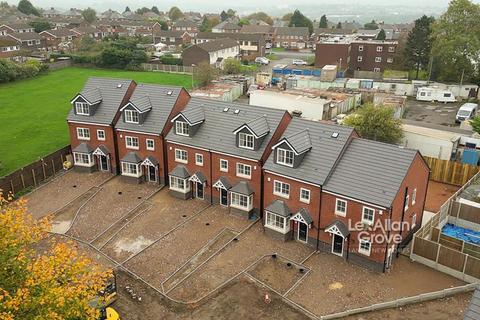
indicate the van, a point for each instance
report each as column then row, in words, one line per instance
column 466, row 112
column 298, row 62
column 262, row 60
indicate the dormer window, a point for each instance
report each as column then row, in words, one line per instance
column 182, row 128
column 82, row 108
column 131, row 116
column 245, row 140
column 285, row 157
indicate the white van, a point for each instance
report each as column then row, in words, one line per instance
column 435, row 94
column 467, row 111
column 262, row 60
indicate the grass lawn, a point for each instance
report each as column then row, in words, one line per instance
column 33, row 111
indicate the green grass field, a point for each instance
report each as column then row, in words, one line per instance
column 33, row 111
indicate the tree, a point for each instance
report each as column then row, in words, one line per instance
column 163, row 24
column 456, row 44
column 299, row 20
column 142, row 10
column 243, row 22
column 287, row 16
column 40, row 26
column 127, row 9
column 475, row 123
column 175, row 13
column 339, row 25
column 231, row 13
column 419, row 44
column 86, row 44
column 155, row 10
column 223, row 16
column 371, row 25
column 323, row 22
column 27, row 7
column 205, row 74
column 54, row 283
column 376, row 123
column 89, row 15
column 261, row 16
column 208, row 24
column 232, row 66
column 381, row 35
column 121, row 53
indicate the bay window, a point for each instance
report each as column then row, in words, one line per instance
column 83, row 159
column 131, row 169
column 179, row 184
column 276, row 222
column 241, row 201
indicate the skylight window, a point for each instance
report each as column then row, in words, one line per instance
column 226, row 109
column 119, row 85
column 335, row 135
column 169, row 93
column 237, row 111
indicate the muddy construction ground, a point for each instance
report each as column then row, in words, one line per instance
column 188, row 259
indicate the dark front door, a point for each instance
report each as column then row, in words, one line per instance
column 103, row 163
column 223, row 197
column 152, row 175
column 199, row 190
column 302, row 232
column 337, row 246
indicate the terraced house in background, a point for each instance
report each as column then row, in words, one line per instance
column 328, row 188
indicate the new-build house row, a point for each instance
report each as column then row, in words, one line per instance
column 141, row 129
column 356, row 198
column 216, row 151
column 95, row 110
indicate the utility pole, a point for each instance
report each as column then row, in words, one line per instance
column 430, row 69
column 461, row 83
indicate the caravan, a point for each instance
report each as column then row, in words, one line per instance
column 435, row 94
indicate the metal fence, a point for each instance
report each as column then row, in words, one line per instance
column 35, row 173
column 168, row 68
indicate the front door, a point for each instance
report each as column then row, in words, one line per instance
column 152, row 174
column 199, row 190
column 223, row 197
column 337, row 245
column 103, row 163
column 302, row 232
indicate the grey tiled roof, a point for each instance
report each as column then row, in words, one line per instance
column 103, row 149
column 201, row 176
column 226, row 183
column 83, row 148
column 217, row 44
column 292, row 31
column 279, row 207
column 24, row 36
column 371, row 171
column 215, row 133
column 161, row 103
column 305, row 215
column 473, row 311
column 194, row 115
column 340, row 226
column 132, row 157
column 319, row 161
column 243, row 187
column 180, row 172
column 93, row 95
column 236, row 36
column 153, row 160
column 112, row 96
column 258, row 126
column 300, row 141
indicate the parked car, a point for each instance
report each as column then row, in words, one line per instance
column 298, row 62
column 262, row 60
column 467, row 111
column 268, row 45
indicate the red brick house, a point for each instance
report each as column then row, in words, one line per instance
column 356, row 198
column 141, row 130
column 216, row 151
column 96, row 109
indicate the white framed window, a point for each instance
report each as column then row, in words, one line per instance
column 241, row 201
column 285, row 157
column 379, row 48
column 281, row 189
column 131, row 169
column 407, row 201
column 83, row 159
column 276, row 222
column 131, row 116
column 359, row 58
column 101, row 135
column 182, row 128
column 364, row 247
column 179, row 184
column 83, row 133
column 199, row 159
column 389, row 60
column 304, row 195
column 223, row 165
column 82, row 108
column 244, row 170
column 360, row 48
column 378, row 59
column 341, row 207
column 245, row 140
column 368, row 215
column 150, row 144
column 391, row 49
column 376, row 69
column 414, row 196
column 131, row 142
column 181, row 156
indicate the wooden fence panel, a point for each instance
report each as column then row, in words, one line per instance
column 452, row 172
column 451, row 258
column 471, row 249
column 469, row 213
column 472, row 267
column 425, row 248
column 451, row 242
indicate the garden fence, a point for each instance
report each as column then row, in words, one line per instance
column 451, row 172
column 35, row 173
column 168, row 68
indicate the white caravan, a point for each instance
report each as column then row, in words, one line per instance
column 435, row 94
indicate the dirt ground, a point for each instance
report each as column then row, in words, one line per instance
column 114, row 200
column 437, row 194
column 336, row 285
column 157, row 262
column 166, row 213
column 58, row 192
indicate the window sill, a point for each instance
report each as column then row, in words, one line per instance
column 131, row 175
column 305, row 201
column 285, row 196
column 283, row 231
column 85, row 139
column 101, row 139
column 241, row 208
column 199, row 164
column 133, row 148
column 85, row 164
column 368, row 223
column 181, row 161
column 243, row 176
column 180, row 190
column 150, row 149
column 343, row 214
column 223, row 170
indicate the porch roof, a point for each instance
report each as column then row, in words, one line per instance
column 180, row 172
column 339, row 228
column 132, row 157
column 242, row 187
column 83, row 148
column 279, row 207
column 303, row 216
column 223, row 183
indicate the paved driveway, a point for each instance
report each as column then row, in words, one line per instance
column 429, row 112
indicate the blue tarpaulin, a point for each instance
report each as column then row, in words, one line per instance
column 470, row 156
